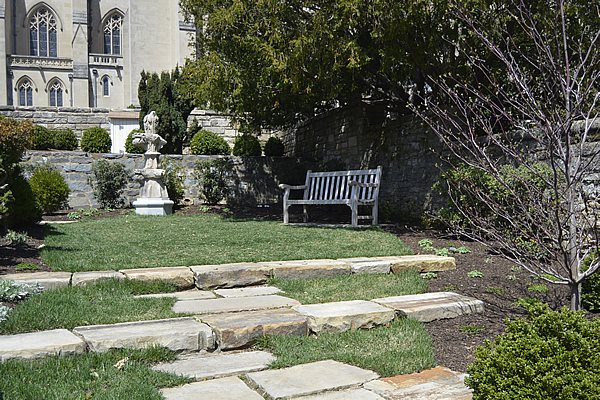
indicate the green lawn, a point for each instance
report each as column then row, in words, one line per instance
column 403, row 347
column 135, row 241
column 88, row 376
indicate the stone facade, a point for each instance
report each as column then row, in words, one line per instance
column 254, row 179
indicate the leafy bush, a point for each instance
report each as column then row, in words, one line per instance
column 50, row 189
column 551, row 355
column 246, row 145
column 15, row 238
column 95, row 140
column 209, row 143
column 590, row 291
column 64, row 139
column 15, row 138
column 42, row 138
column 13, row 291
column 212, row 175
column 23, row 208
column 274, row 147
column 129, row 146
column 109, row 182
column 173, row 178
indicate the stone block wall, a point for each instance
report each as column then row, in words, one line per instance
column 253, row 181
column 77, row 119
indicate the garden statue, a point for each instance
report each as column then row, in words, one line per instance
column 154, row 198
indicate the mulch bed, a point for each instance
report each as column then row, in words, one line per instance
column 454, row 340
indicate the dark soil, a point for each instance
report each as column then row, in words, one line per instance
column 454, row 340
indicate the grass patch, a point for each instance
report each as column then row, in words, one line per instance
column 202, row 239
column 352, row 287
column 400, row 348
column 88, row 376
column 108, row 302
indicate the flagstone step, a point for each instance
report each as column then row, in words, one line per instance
column 217, row 365
column 179, row 334
column 308, row 379
column 230, row 275
column 233, row 304
column 192, row 294
column 47, row 280
column 345, row 315
column 434, row 384
column 307, row 269
column 182, row 277
column 423, row 263
column 90, row 278
column 242, row 329
column 231, row 388
column 429, row 307
column 248, row 291
column 352, row 394
column 40, row 344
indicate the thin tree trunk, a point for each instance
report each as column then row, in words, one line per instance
column 576, row 296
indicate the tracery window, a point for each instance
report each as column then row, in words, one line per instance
column 43, row 34
column 25, row 93
column 112, row 34
column 105, row 86
column 56, row 94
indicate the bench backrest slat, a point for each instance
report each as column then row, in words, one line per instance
column 335, row 185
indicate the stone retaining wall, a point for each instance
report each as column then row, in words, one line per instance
column 77, row 119
column 254, row 179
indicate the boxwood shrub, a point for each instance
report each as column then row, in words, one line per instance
column 129, row 146
column 42, row 138
column 95, row 140
column 50, row 189
column 64, row 139
column 209, row 143
column 246, row 145
column 274, row 147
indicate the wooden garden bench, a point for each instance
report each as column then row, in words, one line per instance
column 352, row 188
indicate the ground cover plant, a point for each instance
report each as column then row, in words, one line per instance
column 108, row 302
column 117, row 374
column 202, row 239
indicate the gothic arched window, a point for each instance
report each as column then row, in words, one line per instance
column 112, row 34
column 43, row 34
column 56, row 94
column 105, row 86
column 25, row 93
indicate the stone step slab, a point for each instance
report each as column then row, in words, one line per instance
column 352, row 394
column 217, row 365
column 429, row 307
column 422, row 263
column 209, row 277
column 47, row 280
column 192, row 294
column 182, row 277
column 233, row 304
column 308, row 269
column 179, row 334
column 231, row 388
column 308, row 379
column 90, row 278
column 434, row 384
column 248, row 291
column 345, row 315
column 238, row 330
column 40, row 344
column 368, row 265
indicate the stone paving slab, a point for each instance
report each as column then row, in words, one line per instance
column 434, row 384
column 203, row 366
column 179, row 334
column 233, row 304
column 368, row 265
column 182, row 277
column 248, row 291
column 40, row 344
column 237, row 330
column 230, row 275
column 192, row 294
column 88, row 278
column 429, row 307
column 231, row 388
column 345, row 315
column 423, row 263
column 307, row 269
column 307, row 379
column 352, row 394
column 48, row 280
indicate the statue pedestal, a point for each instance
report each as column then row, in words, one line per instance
column 153, row 206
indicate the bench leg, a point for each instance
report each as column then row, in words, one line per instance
column 286, row 214
column 354, row 208
column 305, row 214
column 375, row 214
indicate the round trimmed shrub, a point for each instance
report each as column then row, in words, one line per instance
column 246, row 145
column 209, row 143
column 551, row 355
column 64, row 139
column 129, row 146
column 95, row 140
column 42, row 138
column 274, row 147
column 50, row 189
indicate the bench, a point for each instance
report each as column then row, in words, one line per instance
column 352, row 188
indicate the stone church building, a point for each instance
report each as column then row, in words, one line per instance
column 86, row 53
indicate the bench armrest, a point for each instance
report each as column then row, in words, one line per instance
column 291, row 187
column 364, row 185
